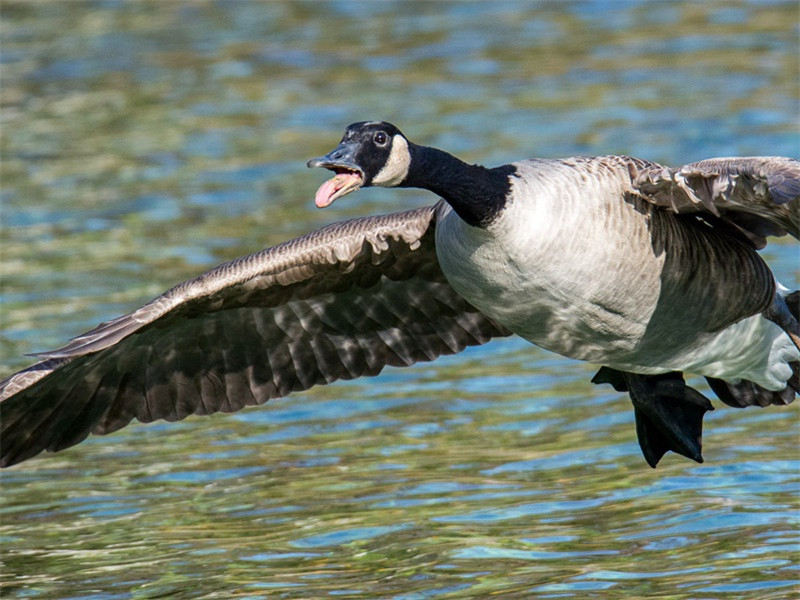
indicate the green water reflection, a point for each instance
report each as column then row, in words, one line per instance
column 145, row 141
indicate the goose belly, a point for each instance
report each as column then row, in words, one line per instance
column 589, row 303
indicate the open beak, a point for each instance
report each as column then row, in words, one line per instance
column 349, row 176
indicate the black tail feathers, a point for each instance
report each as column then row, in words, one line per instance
column 747, row 393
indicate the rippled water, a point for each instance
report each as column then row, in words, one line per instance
column 144, row 142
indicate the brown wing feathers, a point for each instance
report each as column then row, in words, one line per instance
column 758, row 196
column 343, row 302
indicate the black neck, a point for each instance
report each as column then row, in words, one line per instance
column 476, row 193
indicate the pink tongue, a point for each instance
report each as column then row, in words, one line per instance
column 324, row 193
column 327, row 191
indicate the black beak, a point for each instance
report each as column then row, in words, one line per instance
column 349, row 176
column 342, row 157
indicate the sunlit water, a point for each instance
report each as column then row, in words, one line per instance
column 144, row 142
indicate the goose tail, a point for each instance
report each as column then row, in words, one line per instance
column 784, row 312
column 746, row 393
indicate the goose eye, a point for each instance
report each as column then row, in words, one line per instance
column 380, row 138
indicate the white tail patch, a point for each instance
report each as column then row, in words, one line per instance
column 754, row 349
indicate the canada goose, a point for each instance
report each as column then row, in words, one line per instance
column 645, row 270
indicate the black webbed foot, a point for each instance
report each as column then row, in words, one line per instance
column 669, row 414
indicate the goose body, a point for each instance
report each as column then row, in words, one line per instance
column 571, row 268
column 645, row 270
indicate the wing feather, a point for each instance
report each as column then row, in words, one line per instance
column 757, row 196
column 342, row 302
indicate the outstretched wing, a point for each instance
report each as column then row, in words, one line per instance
column 342, row 302
column 759, row 196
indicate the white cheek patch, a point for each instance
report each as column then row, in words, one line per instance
column 396, row 167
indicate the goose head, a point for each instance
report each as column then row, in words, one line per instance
column 371, row 153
